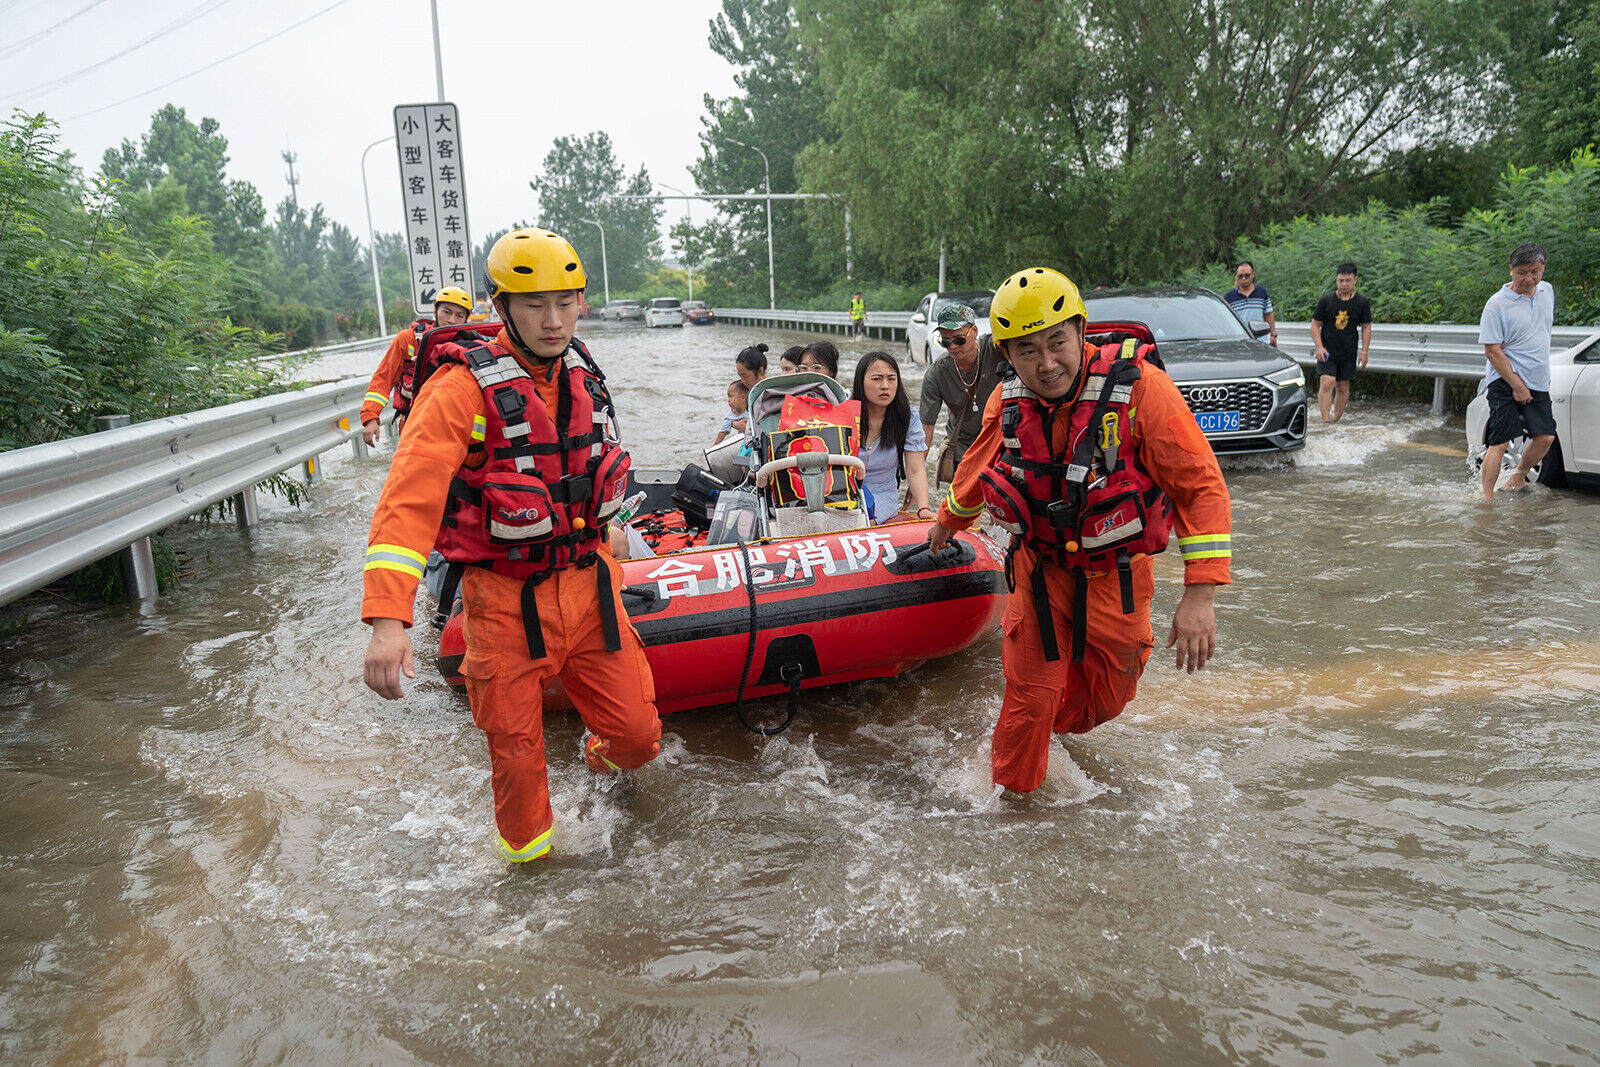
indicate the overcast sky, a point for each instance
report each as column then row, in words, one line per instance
column 522, row 72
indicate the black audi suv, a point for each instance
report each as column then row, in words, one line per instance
column 1246, row 395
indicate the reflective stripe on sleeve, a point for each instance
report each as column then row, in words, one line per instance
column 955, row 507
column 1206, row 546
column 479, row 426
column 531, row 851
column 381, row 399
column 395, row 558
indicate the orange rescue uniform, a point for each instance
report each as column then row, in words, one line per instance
column 1058, row 695
column 402, row 350
column 613, row 691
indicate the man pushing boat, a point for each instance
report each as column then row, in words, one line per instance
column 1090, row 456
column 510, row 461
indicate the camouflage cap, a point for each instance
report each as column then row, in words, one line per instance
column 955, row 317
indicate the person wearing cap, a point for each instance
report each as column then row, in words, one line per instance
column 1091, row 458
column 510, row 462
column 399, row 362
column 960, row 380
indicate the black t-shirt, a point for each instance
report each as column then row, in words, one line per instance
column 1341, row 323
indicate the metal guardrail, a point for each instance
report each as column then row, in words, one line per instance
column 68, row 503
column 328, row 350
column 1427, row 351
column 882, row 324
column 1439, row 352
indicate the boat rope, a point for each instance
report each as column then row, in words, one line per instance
column 791, row 672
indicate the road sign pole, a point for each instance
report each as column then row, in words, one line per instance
column 438, row 58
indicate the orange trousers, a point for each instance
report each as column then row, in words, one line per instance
column 613, row 691
column 1061, row 696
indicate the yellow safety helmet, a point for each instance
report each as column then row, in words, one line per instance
column 532, row 260
column 451, row 294
column 1031, row 300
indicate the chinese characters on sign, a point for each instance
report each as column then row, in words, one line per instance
column 792, row 563
column 434, row 193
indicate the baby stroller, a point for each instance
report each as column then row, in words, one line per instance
column 797, row 480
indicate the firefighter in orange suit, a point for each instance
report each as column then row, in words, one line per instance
column 510, row 461
column 1090, row 457
column 399, row 363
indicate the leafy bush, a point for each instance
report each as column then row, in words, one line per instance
column 1417, row 269
column 114, row 301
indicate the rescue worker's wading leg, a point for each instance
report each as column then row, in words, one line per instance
column 612, row 691
column 1060, row 696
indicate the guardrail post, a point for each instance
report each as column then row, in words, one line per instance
column 1438, row 395
column 310, row 466
column 138, row 561
column 245, row 512
column 358, row 443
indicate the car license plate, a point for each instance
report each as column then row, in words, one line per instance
column 1217, row 421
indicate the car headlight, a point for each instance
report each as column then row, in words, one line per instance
column 1287, row 376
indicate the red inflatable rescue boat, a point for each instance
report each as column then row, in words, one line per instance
column 786, row 585
column 835, row 608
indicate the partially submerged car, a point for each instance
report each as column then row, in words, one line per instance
column 696, row 313
column 622, row 311
column 1246, row 395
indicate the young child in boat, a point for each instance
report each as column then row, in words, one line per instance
column 738, row 404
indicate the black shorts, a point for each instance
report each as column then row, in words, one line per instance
column 1342, row 368
column 1509, row 420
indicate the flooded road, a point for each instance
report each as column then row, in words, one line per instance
column 1369, row 832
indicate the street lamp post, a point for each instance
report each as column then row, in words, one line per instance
column 772, row 285
column 372, row 238
column 605, row 272
column 688, row 215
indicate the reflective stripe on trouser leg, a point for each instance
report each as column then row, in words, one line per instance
column 539, row 846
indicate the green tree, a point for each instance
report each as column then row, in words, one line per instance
column 581, row 179
column 780, row 110
column 196, row 158
column 1552, row 64
column 1128, row 137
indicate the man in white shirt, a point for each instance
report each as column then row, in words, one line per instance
column 1515, row 333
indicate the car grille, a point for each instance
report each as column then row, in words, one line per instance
column 1252, row 400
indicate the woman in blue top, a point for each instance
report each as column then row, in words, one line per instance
column 892, row 443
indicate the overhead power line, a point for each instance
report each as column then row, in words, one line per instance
column 17, row 46
column 208, row 66
column 194, row 13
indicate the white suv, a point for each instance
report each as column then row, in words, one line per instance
column 1575, row 400
column 664, row 311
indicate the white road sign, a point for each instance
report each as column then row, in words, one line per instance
column 434, row 192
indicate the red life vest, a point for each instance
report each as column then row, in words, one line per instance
column 404, row 390
column 1092, row 507
column 541, row 499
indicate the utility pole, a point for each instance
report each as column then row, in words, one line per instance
column 438, row 59
column 941, row 262
column 688, row 216
column 772, row 284
column 605, row 271
column 372, row 236
column 290, row 158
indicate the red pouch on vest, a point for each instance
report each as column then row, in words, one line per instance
column 806, row 413
column 610, row 483
column 1007, row 504
column 1113, row 522
column 516, row 509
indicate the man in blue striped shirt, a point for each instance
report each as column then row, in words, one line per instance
column 1250, row 300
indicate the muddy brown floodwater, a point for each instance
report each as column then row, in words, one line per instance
column 1368, row 833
